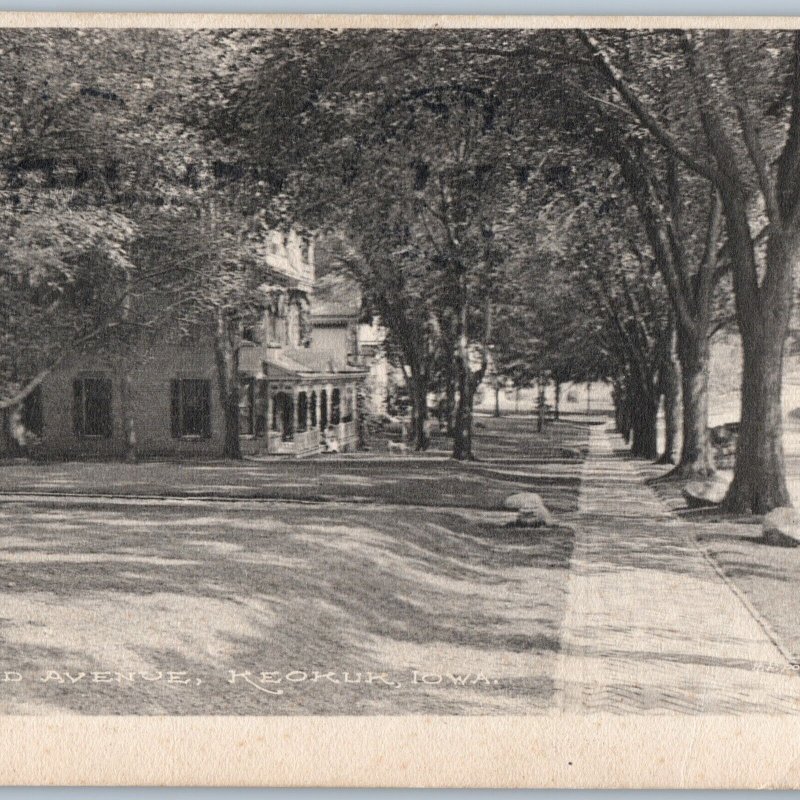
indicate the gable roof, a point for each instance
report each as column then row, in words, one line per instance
column 336, row 296
column 300, row 362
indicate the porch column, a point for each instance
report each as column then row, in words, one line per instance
column 269, row 401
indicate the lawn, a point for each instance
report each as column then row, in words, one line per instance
column 403, row 591
column 145, row 607
column 511, row 455
column 765, row 575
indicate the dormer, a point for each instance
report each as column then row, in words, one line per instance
column 291, row 254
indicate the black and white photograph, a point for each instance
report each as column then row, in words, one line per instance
column 403, row 370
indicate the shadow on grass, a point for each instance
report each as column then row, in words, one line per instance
column 207, row 590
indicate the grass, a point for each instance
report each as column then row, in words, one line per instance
column 411, row 570
column 195, row 588
column 511, row 457
column 766, row 575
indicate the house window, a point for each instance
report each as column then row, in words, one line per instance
column 32, row 417
column 191, row 408
column 92, row 407
column 274, row 325
column 302, row 412
column 313, row 410
column 250, row 334
column 323, row 409
column 347, row 411
column 283, row 415
column 336, row 407
column 247, row 387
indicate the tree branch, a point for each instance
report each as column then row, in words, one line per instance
column 707, row 274
column 727, row 176
column 789, row 161
column 752, row 141
column 617, row 80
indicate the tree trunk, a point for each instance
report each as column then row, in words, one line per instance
column 540, row 407
column 763, row 314
column 227, row 358
column 557, row 410
column 450, row 404
column 696, row 460
column 419, row 401
column 759, row 482
column 462, row 428
column 497, row 399
column 627, row 420
column 626, row 413
column 128, row 422
column 126, row 384
column 7, row 435
column 644, row 414
column 618, row 397
column 361, row 416
column 671, row 389
column 467, row 382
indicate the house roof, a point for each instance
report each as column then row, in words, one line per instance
column 300, row 362
column 336, row 296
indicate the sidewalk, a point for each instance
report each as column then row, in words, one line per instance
column 650, row 625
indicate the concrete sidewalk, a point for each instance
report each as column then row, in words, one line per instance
column 651, row 626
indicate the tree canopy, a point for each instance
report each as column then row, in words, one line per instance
column 563, row 204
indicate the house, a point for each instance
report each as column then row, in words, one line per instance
column 338, row 327
column 294, row 400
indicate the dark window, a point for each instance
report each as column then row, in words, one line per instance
column 246, row 397
column 32, row 416
column 302, row 412
column 313, row 410
column 250, row 334
column 323, row 409
column 191, row 408
column 276, row 328
column 92, row 407
column 347, row 416
column 283, row 415
column 336, row 407
column 287, row 416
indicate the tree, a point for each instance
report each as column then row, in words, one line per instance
column 381, row 254
column 104, row 145
column 213, row 281
column 687, row 254
column 94, row 138
column 741, row 132
column 623, row 298
column 450, row 141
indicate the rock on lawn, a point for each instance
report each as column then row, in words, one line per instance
column 782, row 527
column 711, row 492
column 530, row 508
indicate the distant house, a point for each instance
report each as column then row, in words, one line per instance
column 338, row 327
column 293, row 399
column 335, row 317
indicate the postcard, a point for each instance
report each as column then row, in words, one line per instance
column 399, row 401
